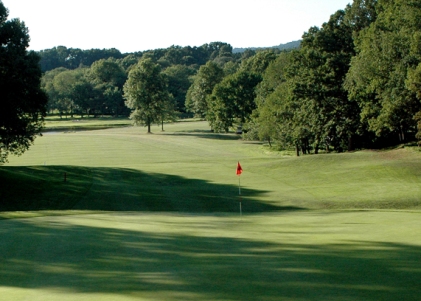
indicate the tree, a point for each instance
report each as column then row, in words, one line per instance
column 204, row 82
column 258, row 62
column 108, row 78
column 179, row 81
column 272, row 118
column 301, row 100
column 146, row 93
column 232, row 100
column 383, row 75
column 23, row 103
column 47, row 84
column 62, row 91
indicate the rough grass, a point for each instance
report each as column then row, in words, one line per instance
column 156, row 217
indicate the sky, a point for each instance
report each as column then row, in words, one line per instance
column 139, row 25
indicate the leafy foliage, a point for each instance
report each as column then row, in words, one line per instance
column 22, row 100
column 232, row 100
column 205, row 80
column 383, row 75
column 353, row 82
column 146, row 93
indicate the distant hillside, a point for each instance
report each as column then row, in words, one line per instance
column 287, row 46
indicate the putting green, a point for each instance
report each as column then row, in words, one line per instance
column 322, row 255
column 156, row 217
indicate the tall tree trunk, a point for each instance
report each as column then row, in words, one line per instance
column 401, row 135
column 303, row 146
column 308, row 146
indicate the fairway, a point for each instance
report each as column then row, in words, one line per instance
column 118, row 214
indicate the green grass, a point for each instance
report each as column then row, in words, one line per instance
column 85, row 123
column 156, row 217
column 311, row 255
column 188, row 168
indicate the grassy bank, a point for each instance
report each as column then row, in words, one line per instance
column 119, row 214
column 188, row 168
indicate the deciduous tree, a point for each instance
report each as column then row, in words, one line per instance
column 383, row 77
column 204, row 82
column 23, row 103
column 146, row 93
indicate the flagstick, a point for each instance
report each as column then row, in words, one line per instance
column 239, row 193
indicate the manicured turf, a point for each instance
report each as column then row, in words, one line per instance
column 187, row 168
column 311, row 255
column 84, row 123
column 156, row 217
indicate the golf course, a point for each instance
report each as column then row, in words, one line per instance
column 101, row 210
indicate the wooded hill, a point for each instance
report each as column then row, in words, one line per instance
column 286, row 46
column 354, row 82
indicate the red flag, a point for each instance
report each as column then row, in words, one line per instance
column 239, row 169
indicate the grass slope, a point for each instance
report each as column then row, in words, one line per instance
column 189, row 169
column 155, row 217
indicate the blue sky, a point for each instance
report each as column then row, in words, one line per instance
column 137, row 25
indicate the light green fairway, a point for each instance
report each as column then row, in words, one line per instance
column 187, row 161
column 156, row 217
column 323, row 255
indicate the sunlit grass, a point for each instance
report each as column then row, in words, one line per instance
column 119, row 214
column 312, row 255
column 168, row 167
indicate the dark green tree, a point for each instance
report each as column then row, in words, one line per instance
column 47, row 84
column 258, row 62
column 272, row 119
column 232, row 100
column 301, row 100
column 23, row 102
column 62, row 92
column 204, row 82
column 383, row 77
column 146, row 93
column 179, row 81
column 108, row 77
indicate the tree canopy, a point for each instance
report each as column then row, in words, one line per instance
column 146, row 94
column 23, row 103
column 355, row 81
column 384, row 74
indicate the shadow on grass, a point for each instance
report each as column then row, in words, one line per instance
column 206, row 135
column 172, row 266
column 119, row 189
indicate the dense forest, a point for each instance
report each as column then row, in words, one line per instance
column 354, row 82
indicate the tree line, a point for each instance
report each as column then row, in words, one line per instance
column 97, row 89
column 353, row 83
column 77, row 82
